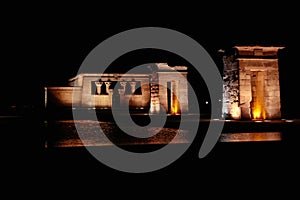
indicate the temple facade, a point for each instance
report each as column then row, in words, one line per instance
column 251, row 88
column 162, row 89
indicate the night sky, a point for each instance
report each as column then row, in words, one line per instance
column 44, row 49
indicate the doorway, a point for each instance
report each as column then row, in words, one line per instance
column 258, row 111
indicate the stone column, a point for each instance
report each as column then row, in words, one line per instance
column 98, row 86
column 132, row 87
column 107, row 84
column 111, row 92
column 122, row 93
column 154, row 103
column 123, row 84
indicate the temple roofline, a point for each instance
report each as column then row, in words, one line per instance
column 257, row 50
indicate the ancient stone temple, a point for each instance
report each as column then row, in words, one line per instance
column 163, row 87
column 251, row 88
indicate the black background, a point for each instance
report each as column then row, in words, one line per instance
column 44, row 45
column 42, row 48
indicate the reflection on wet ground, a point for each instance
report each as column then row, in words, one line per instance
column 268, row 164
column 63, row 133
column 250, row 137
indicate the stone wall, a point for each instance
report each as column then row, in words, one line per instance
column 128, row 82
column 267, row 71
column 62, row 97
column 230, row 88
column 251, row 88
column 106, row 90
column 174, row 79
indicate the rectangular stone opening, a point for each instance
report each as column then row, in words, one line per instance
column 169, row 95
column 258, row 95
column 174, row 98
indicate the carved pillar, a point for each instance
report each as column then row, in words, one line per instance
column 111, row 92
column 122, row 93
column 154, row 103
column 132, row 87
column 123, row 84
column 107, row 84
column 98, row 86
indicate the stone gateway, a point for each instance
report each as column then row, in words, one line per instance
column 251, row 87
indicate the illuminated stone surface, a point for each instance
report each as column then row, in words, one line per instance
column 142, row 91
column 251, row 87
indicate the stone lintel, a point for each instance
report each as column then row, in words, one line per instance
column 112, row 77
column 257, row 51
column 257, row 59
